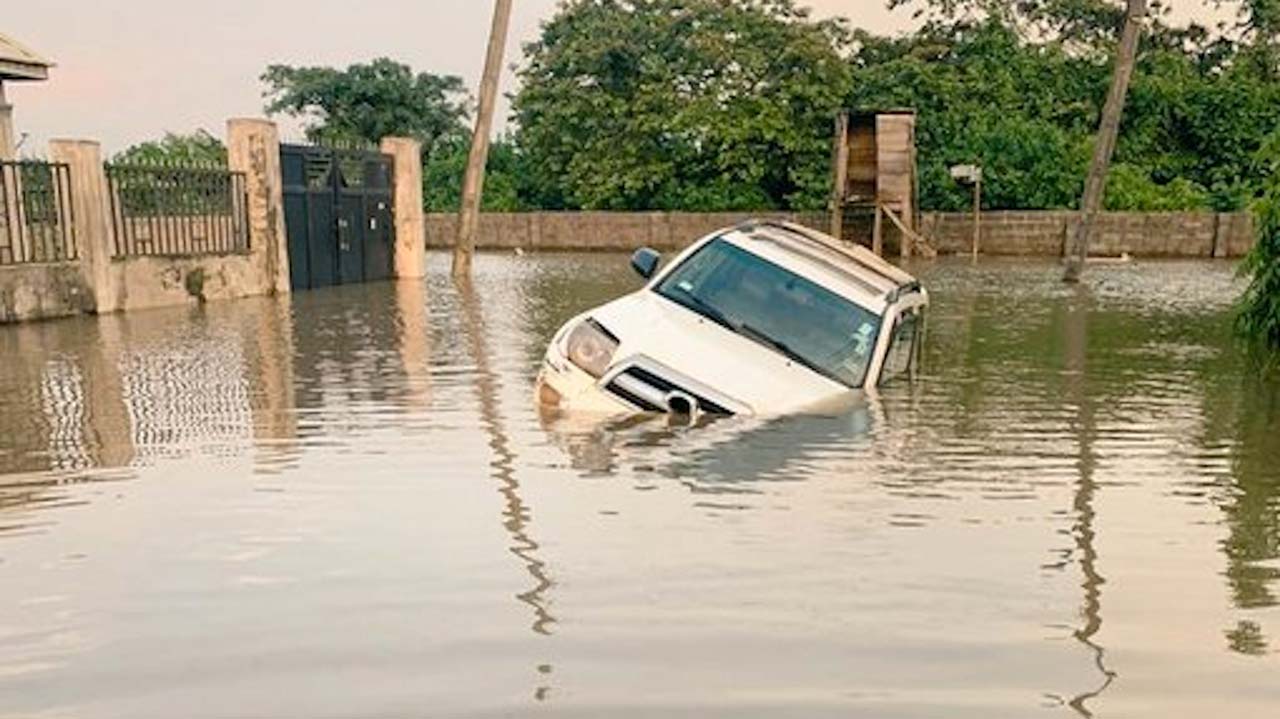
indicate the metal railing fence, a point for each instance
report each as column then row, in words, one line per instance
column 159, row 210
column 37, row 219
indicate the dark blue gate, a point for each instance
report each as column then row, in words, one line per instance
column 338, row 215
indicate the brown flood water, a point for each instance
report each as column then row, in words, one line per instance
column 345, row 504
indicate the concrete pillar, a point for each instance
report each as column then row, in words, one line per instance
column 411, row 238
column 7, row 150
column 92, row 207
column 253, row 147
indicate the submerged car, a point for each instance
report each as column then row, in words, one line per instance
column 763, row 318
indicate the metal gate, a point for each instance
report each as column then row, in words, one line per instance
column 338, row 215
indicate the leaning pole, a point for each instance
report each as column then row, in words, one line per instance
column 1096, row 183
column 473, row 182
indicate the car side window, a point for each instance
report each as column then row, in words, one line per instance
column 902, row 346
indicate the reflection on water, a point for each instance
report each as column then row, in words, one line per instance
column 1076, row 340
column 311, row 506
column 516, row 514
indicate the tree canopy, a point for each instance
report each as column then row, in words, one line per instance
column 368, row 101
column 443, row 169
column 689, row 104
column 197, row 148
column 1259, row 318
column 729, row 104
column 1027, row 111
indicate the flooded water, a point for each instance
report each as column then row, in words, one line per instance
column 345, row 504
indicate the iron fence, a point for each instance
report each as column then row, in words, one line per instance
column 37, row 222
column 160, row 210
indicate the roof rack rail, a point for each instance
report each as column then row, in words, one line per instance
column 859, row 254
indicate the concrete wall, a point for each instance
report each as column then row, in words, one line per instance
column 141, row 282
column 598, row 230
column 1041, row 233
column 36, row 291
column 148, row 282
column 100, row 283
column 43, row 291
column 1141, row 234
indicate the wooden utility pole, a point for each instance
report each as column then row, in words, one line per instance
column 839, row 174
column 1096, row 183
column 473, row 183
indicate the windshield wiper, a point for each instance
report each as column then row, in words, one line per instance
column 702, row 307
column 750, row 332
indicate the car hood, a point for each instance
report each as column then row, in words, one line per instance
column 651, row 327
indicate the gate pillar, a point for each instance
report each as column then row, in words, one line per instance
column 90, row 206
column 410, row 254
column 253, row 147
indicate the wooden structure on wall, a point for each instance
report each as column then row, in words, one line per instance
column 875, row 187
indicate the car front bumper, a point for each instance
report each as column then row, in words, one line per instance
column 562, row 385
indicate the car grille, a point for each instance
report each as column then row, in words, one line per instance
column 647, row 391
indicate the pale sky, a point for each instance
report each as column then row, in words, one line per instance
column 129, row 70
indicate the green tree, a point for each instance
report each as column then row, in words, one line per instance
column 681, row 104
column 443, row 169
column 983, row 96
column 368, row 101
column 198, row 148
column 1132, row 189
column 1085, row 24
column 1259, row 31
column 1259, row 318
column 1027, row 109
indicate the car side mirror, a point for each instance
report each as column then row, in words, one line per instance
column 645, row 262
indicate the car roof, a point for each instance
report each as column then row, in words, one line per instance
column 802, row 249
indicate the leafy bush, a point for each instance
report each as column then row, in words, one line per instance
column 174, row 176
column 198, row 149
column 1131, row 189
column 1259, row 318
column 444, row 166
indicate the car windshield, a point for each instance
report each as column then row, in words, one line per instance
column 769, row 304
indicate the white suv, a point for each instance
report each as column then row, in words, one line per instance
column 764, row 318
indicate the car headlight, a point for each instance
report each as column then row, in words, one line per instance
column 591, row 348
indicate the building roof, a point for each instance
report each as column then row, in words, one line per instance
column 19, row 62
